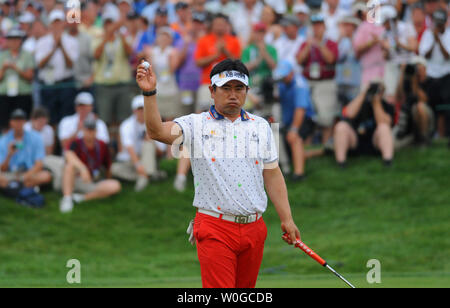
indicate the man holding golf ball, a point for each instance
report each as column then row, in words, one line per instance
column 233, row 156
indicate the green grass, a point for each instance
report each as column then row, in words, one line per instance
column 400, row 216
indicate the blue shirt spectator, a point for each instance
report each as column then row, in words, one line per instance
column 149, row 37
column 29, row 151
column 294, row 95
column 348, row 69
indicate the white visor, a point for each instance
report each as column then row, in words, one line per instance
column 224, row 77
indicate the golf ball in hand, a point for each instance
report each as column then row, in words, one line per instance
column 146, row 65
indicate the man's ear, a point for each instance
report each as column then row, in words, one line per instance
column 212, row 90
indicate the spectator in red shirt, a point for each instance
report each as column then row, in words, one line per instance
column 86, row 160
column 213, row 48
column 318, row 57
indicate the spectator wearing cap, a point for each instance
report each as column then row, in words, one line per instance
column 288, row 44
column 402, row 39
column 260, row 59
column 55, row 56
column 189, row 73
column 318, row 56
column 150, row 11
column 71, row 127
column 39, row 123
column 7, row 16
column 332, row 13
column 184, row 23
column 369, row 45
column 112, row 70
column 16, row 75
column 149, row 36
column 297, row 114
column 348, row 68
column 435, row 47
column 302, row 11
column 21, row 154
column 213, row 48
column 87, row 172
column 137, row 159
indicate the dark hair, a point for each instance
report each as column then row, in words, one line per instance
column 229, row 65
column 39, row 112
column 223, row 16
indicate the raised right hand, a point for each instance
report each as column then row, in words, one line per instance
column 146, row 78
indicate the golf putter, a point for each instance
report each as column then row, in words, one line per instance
column 312, row 254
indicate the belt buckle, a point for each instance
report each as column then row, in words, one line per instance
column 241, row 219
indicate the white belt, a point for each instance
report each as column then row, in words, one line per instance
column 240, row 219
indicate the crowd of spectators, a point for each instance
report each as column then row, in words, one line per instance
column 352, row 76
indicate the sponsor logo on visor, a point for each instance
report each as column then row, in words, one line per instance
column 224, row 77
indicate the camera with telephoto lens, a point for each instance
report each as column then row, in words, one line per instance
column 374, row 88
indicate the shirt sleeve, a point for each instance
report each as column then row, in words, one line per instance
column 187, row 126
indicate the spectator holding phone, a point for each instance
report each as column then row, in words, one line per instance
column 21, row 154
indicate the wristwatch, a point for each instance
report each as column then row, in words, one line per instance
column 150, row 93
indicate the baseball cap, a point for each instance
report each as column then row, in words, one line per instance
column 110, row 14
column 440, row 16
column 84, row 98
column 199, row 16
column 227, row 76
column 317, row 18
column 26, row 18
column 289, row 20
column 387, row 12
column 56, row 15
column 301, row 8
column 349, row 19
column 18, row 114
column 15, row 33
column 161, row 11
column 181, row 5
column 137, row 102
column 90, row 122
column 283, row 69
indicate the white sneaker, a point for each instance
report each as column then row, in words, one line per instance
column 66, row 204
column 78, row 198
column 141, row 183
column 180, row 183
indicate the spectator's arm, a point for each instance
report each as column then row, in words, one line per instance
column 126, row 47
column 205, row 61
column 299, row 116
column 99, row 50
column 173, row 63
column 67, row 58
column 327, row 54
column 34, row 170
column 364, row 47
column 380, row 115
column 47, row 58
column 444, row 51
column 10, row 152
column 353, row 108
column 303, row 54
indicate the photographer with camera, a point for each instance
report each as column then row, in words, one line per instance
column 416, row 121
column 365, row 127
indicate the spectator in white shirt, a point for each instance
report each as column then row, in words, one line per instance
column 332, row 13
column 55, row 56
column 137, row 158
column 435, row 47
column 39, row 123
column 71, row 127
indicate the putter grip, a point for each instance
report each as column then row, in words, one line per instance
column 308, row 251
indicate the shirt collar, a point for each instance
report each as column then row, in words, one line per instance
column 217, row 116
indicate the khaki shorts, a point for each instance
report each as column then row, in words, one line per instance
column 204, row 100
column 324, row 97
column 82, row 187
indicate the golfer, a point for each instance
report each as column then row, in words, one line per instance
column 233, row 156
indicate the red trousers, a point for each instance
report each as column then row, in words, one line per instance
column 230, row 254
